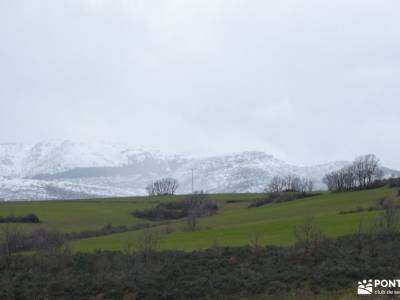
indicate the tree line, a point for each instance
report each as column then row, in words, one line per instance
column 290, row 183
column 364, row 171
column 360, row 174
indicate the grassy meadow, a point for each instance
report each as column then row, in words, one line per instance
column 235, row 223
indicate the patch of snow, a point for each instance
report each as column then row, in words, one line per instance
column 70, row 170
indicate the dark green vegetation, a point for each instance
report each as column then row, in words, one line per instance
column 280, row 197
column 318, row 266
column 381, row 204
column 42, row 239
column 197, row 204
column 29, row 218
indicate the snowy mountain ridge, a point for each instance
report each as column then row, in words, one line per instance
column 71, row 170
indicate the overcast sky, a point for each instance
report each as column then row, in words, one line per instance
column 306, row 81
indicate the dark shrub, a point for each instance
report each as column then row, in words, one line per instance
column 280, row 197
column 376, row 184
column 105, row 230
column 394, row 182
column 16, row 241
column 179, row 209
column 391, row 182
column 29, row 218
column 381, row 204
column 352, row 211
column 233, row 201
column 42, row 239
column 225, row 273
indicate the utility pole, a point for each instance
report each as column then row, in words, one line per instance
column 192, row 181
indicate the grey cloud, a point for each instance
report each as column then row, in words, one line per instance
column 308, row 81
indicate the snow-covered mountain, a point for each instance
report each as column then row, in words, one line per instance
column 70, row 170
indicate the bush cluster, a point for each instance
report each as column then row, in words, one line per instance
column 15, row 241
column 105, row 230
column 381, row 204
column 179, row 209
column 43, row 239
column 29, row 218
column 392, row 182
column 280, row 197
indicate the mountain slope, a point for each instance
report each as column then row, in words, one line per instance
column 68, row 170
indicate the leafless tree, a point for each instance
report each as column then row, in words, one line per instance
column 308, row 235
column 389, row 220
column 164, row 186
column 148, row 242
column 277, row 184
column 150, row 189
column 255, row 242
column 5, row 244
column 192, row 219
column 195, row 211
column 295, row 184
column 367, row 169
column 360, row 174
column 309, row 185
column 290, row 183
column 372, row 169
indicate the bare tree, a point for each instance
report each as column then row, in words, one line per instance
column 360, row 174
column 290, row 183
column 192, row 219
column 150, row 189
column 148, row 242
column 310, row 185
column 389, row 220
column 277, row 184
column 199, row 205
column 308, row 235
column 6, row 243
column 255, row 242
column 372, row 169
column 164, row 186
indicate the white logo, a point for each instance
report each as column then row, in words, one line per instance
column 365, row 287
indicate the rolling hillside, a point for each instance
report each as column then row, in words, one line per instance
column 235, row 223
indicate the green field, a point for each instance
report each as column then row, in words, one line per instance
column 235, row 224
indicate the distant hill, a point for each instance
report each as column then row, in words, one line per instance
column 69, row 170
